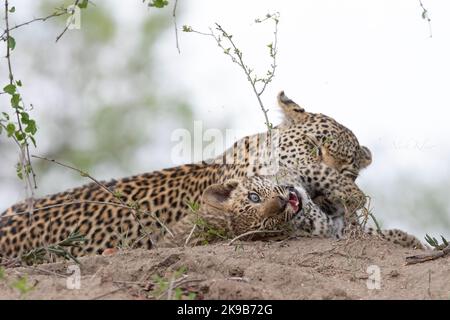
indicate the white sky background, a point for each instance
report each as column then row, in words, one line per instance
column 369, row 64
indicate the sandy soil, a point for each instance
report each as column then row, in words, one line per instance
column 292, row 269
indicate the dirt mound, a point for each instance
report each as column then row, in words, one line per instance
column 292, row 269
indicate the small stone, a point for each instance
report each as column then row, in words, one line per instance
column 394, row 274
column 109, row 252
column 236, row 272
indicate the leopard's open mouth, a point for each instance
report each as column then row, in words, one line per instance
column 295, row 200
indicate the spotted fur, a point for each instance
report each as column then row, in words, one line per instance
column 307, row 149
column 398, row 237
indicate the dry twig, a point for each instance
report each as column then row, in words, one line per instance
column 57, row 13
column 237, row 57
column 67, row 25
column 420, row 258
column 174, row 16
column 253, row 232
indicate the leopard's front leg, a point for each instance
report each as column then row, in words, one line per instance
column 338, row 191
column 313, row 221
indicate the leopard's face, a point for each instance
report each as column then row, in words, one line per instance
column 313, row 138
column 339, row 148
column 254, row 203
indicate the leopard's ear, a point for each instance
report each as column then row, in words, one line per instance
column 365, row 157
column 215, row 195
column 293, row 113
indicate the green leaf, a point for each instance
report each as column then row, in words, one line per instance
column 22, row 285
column 12, row 10
column 85, row 175
column 19, row 136
column 187, row 28
column 33, row 141
column 19, row 83
column 10, row 89
column 10, row 129
column 193, row 206
column 158, row 3
column 19, row 170
column 15, row 99
column 191, row 295
column 83, row 4
column 31, row 127
column 5, row 115
column 11, row 43
column 24, row 117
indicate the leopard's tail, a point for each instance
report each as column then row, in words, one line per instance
column 399, row 237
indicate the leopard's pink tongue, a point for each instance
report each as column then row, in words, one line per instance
column 293, row 201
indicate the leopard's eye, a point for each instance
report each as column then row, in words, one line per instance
column 254, row 197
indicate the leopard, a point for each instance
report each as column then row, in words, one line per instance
column 252, row 208
column 258, row 208
column 311, row 149
column 308, row 149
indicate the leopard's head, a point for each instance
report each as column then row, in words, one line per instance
column 326, row 140
column 252, row 203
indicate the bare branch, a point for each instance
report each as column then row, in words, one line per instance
column 273, row 53
column 425, row 16
column 190, row 235
column 236, row 57
column 428, row 256
column 135, row 211
column 174, row 16
column 67, row 25
column 53, row 15
column 253, row 232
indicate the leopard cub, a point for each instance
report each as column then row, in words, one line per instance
column 254, row 208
